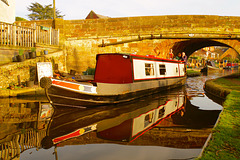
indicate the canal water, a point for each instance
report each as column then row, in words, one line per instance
column 170, row 125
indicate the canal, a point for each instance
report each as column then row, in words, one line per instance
column 170, row 125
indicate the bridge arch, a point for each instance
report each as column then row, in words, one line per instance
column 192, row 45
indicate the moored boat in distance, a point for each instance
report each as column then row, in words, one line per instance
column 118, row 78
column 210, row 66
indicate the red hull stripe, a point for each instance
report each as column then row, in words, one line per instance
column 157, row 78
column 67, row 85
column 71, row 135
column 76, row 133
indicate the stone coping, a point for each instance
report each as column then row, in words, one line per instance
column 21, row 92
column 216, row 89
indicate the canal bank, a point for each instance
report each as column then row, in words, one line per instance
column 193, row 73
column 35, row 91
column 224, row 142
column 16, row 77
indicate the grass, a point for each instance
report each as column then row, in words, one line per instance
column 225, row 141
column 193, row 73
column 229, row 83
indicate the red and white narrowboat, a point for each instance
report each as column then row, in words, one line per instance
column 119, row 78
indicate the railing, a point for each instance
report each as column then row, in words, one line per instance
column 20, row 143
column 13, row 35
column 45, row 35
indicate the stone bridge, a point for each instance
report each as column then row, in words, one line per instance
column 83, row 39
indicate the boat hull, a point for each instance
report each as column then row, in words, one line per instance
column 209, row 68
column 111, row 93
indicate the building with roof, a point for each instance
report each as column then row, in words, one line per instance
column 93, row 15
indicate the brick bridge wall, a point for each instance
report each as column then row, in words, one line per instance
column 82, row 37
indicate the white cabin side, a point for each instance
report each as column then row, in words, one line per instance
column 182, row 69
column 150, row 69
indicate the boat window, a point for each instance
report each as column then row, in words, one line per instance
column 162, row 69
column 149, row 69
column 161, row 112
column 176, row 69
column 148, row 119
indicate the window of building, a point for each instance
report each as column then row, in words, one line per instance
column 149, row 69
column 162, row 69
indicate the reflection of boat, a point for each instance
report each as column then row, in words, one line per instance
column 145, row 122
column 167, row 119
column 118, row 78
column 118, row 122
column 134, row 124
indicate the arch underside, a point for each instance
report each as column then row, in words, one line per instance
column 190, row 46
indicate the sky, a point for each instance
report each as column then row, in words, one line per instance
column 79, row 9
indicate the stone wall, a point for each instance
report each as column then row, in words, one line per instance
column 82, row 37
column 9, row 73
column 126, row 26
column 30, row 24
column 7, row 55
column 81, row 54
column 113, row 27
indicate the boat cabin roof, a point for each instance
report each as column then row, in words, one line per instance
column 135, row 56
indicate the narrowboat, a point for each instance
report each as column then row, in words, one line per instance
column 118, row 78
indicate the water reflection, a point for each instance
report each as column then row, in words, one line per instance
column 122, row 123
column 169, row 124
column 23, row 125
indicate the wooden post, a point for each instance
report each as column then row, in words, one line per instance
column 14, row 35
column 19, row 80
column 4, row 34
column 54, row 10
column 57, row 37
column 7, row 34
column 0, row 33
column 50, row 36
column 25, row 37
column 35, row 34
column 11, row 35
column 20, row 34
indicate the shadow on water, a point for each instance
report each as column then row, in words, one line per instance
column 161, row 126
